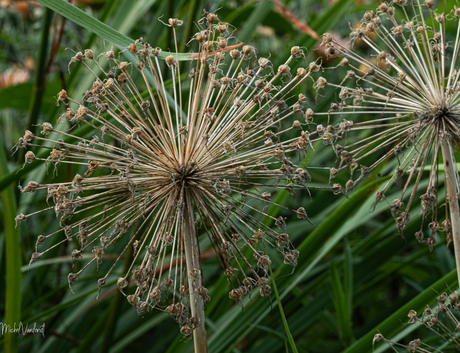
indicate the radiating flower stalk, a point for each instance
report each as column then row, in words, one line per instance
column 409, row 87
column 442, row 321
column 176, row 162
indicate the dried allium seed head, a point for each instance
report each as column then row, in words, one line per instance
column 169, row 170
column 414, row 116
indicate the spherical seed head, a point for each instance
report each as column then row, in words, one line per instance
column 413, row 113
column 166, row 169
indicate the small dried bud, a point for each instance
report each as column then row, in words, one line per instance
column 170, row 61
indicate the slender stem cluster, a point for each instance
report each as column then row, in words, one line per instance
column 442, row 321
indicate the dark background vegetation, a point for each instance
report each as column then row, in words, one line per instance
column 355, row 274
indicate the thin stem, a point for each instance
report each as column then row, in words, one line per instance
column 450, row 180
column 192, row 258
column 283, row 316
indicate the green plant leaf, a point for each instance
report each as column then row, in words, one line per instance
column 341, row 307
column 348, row 278
column 13, row 261
column 92, row 24
column 283, row 316
column 257, row 16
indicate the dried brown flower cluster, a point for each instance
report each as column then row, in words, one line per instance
column 409, row 87
column 205, row 151
column 442, row 321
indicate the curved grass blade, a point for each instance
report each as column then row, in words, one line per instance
column 13, row 262
column 92, row 24
column 341, row 307
column 283, row 316
column 257, row 16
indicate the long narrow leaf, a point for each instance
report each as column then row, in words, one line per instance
column 13, row 262
column 283, row 316
column 341, row 309
column 92, row 24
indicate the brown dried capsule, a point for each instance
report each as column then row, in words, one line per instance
column 222, row 28
column 235, row 54
column 122, row 78
column 248, row 50
column 301, row 72
column 29, row 157
column 170, row 61
column 174, row 22
column 211, row 17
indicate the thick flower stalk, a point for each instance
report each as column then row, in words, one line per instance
column 202, row 152
column 400, row 104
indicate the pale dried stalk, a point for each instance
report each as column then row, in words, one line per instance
column 192, row 258
column 450, row 181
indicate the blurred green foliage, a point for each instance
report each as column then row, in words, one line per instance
column 355, row 273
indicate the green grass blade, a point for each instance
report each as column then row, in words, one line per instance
column 129, row 13
column 83, row 19
column 40, row 83
column 348, row 278
column 341, row 308
column 326, row 22
column 283, row 316
column 257, row 16
column 13, row 261
column 93, row 25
